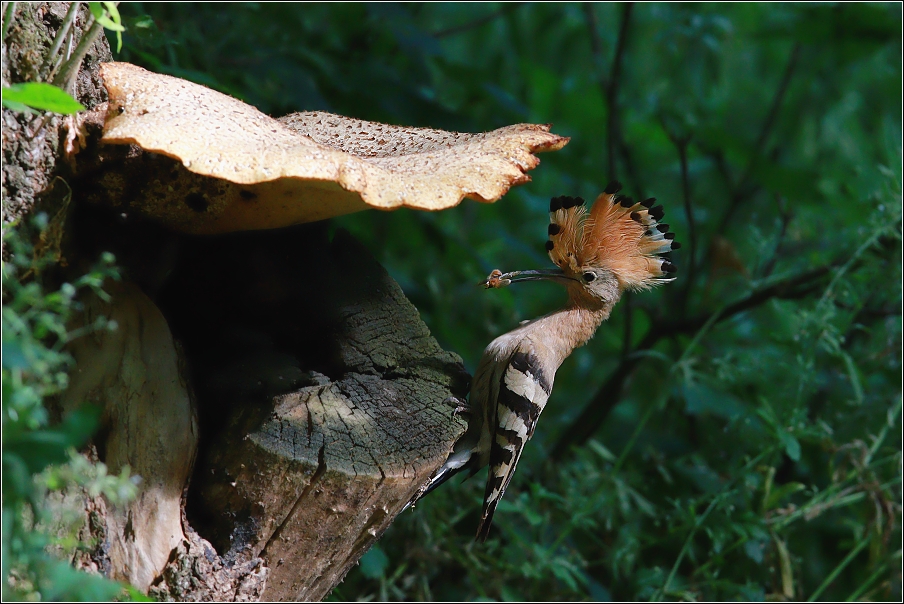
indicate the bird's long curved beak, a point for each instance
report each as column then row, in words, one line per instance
column 498, row 279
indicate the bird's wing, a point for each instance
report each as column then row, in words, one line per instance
column 523, row 391
column 472, row 451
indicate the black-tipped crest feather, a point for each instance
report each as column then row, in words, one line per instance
column 613, row 187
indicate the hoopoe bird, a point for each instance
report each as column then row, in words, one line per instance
column 600, row 254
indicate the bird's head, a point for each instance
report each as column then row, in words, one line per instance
column 602, row 252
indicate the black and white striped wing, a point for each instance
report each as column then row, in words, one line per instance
column 523, row 391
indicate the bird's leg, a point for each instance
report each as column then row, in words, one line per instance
column 461, row 406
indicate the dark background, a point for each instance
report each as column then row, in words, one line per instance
column 733, row 435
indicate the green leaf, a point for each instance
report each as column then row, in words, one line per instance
column 16, row 478
column 777, row 494
column 20, row 107
column 38, row 449
column 854, row 374
column 41, row 448
column 107, row 15
column 69, row 583
column 374, row 563
column 565, row 575
column 135, row 595
column 39, row 95
column 792, row 446
column 702, row 399
column 598, row 448
column 13, row 357
column 755, row 550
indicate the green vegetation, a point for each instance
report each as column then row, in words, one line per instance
column 733, row 435
column 43, row 476
column 38, row 95
column 45, row 479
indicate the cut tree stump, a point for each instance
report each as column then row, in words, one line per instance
column 329, row 402
column 322, row 408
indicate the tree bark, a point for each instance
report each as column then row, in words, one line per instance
column 32, row 151
column 278, row 395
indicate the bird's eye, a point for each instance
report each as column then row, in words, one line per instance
column 588, row 276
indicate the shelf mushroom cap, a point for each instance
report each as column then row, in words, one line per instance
column 304, row 166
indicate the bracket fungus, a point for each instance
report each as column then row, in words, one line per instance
column 239, row 169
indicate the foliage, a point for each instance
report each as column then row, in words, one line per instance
column 107, row 14
column 40, row 465
column 38, row 95
column 734, row 435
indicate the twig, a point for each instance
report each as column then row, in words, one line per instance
column 596, row 46
column 628, row 301
column 610, row 94
column 780, row 239
column 609, row 87
column 8, row 13
column 70, row 68
column 614, row 80
column 596, row 412
column 691, row 223
column 766, row 130
column 740, row 190
column 837, row 570
column 681, row 144
column 630, row 167
column 457, row 29
column 59, row 38
column 852, row 261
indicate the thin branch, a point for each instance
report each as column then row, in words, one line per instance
column 628, row 301
column 59, row 39
column 614, row 133
column 777, row 100
column 740, row 191
column 70, row 68
column 691, row 225
column 609, row 87
column 780, row 239
column 596, row 412
column 681, row 144
column 630, row 166
column 457, row 29
column 615, row 75
column 596, row 45
column 9, row 11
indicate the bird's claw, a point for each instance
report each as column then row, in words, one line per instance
column 461, row 406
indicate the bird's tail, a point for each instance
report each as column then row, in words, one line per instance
column 497, row 483
column 461, row 458
column 445, row 472
column 483, row 531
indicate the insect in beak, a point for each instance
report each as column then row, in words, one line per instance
column 499, row 279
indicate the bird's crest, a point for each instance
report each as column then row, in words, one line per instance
column 617, row 233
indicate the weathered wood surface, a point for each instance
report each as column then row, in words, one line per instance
column 134, row 375
column 308, row 470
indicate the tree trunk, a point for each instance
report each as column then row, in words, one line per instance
column 277, row 393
